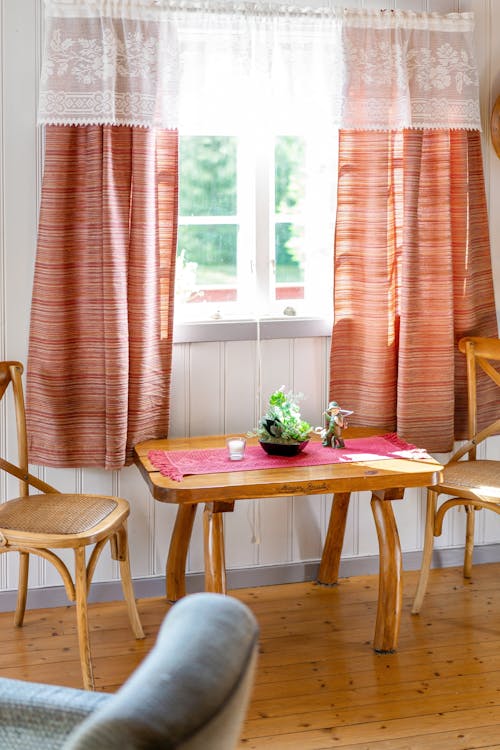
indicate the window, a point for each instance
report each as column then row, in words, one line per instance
column 255, row 236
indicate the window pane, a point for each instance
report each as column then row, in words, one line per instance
column 213, row 248
column 207, row 176
column 289, row 193
column 289, row 159
column 289, row 248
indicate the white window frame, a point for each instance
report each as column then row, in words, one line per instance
column 255, row 217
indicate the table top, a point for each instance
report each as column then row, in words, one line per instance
column 280, row 482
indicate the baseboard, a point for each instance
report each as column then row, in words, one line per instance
column 265, row 575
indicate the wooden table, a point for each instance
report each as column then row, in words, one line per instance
column 385, row 479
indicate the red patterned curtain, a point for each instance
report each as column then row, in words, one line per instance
column 412, row 275
column 101, row 324
column 412, row 255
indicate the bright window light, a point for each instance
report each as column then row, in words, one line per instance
column 256, row 223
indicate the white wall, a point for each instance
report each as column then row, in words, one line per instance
column 214, row 383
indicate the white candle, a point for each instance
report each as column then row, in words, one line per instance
column 236, row 448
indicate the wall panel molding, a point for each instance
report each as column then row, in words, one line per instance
column 249, row 577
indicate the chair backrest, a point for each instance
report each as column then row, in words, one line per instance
column 10, row 374
column 191, row 691
column 483, row 353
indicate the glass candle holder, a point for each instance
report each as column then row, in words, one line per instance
column 236, row 448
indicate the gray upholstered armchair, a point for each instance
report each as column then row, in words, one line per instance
column 190, row 692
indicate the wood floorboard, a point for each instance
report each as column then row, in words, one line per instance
column 319, row 684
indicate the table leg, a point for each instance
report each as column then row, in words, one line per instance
column 213, row 540
column 390, row 592
column 177, row 553
column 330, row 559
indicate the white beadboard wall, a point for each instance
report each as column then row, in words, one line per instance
column 215, row 384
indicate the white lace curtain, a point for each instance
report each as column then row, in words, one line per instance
column 157, row 63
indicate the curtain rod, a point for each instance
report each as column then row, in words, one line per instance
column 227, row 7
column 206, row 6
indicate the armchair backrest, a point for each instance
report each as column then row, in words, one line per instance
column 190, row 692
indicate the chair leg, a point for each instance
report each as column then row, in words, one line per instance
column 22, row 588
column 469, row 539
column 119, row 551
column 426, row 552
column 82, row 622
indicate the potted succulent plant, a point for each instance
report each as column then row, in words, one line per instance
column 282, row 431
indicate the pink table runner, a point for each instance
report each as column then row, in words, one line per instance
column 177, row 464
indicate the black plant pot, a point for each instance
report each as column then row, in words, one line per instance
column 283, row 449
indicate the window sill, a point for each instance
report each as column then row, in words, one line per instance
column 248, row 330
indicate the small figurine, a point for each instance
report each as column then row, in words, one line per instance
column 335, row 423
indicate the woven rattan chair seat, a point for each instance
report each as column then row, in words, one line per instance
column 477, row 475
column 51, row 522
column 56, row 514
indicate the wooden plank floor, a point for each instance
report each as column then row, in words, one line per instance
column 319, row 684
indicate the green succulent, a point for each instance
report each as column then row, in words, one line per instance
column 282, row 422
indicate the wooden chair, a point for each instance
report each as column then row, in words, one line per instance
column 39, row 523
column 469, row 481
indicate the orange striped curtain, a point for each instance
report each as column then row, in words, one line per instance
column 99, row 363
column 412, row 275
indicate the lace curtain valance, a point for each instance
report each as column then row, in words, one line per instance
column 184, row 64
